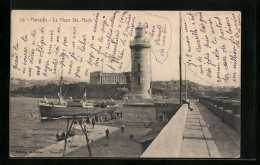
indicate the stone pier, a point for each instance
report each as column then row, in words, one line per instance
column 197, row 134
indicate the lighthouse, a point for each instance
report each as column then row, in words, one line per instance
column 141, row 65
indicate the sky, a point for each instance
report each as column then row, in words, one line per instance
column 31, row 32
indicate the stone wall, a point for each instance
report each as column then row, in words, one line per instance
column 139, row 113
column 168, row 142
column 168, row 110
column 229, row 111
column 149, row 112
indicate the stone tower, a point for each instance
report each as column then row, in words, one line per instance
column 141, row 65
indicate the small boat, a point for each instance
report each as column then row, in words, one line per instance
column 60, row 137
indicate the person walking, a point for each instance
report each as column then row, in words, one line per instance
column 93, row 122
column 123, row 128
column 85, row 125
column 107, row 133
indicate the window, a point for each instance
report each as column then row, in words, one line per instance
column 139, row 80
column 139, row 67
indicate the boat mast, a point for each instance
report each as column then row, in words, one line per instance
column 61, row 80
column 180, row 57
column 101, row 80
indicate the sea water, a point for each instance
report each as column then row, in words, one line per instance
column 28, row 132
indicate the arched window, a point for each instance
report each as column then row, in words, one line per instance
column 139, row 67
column 139, row 80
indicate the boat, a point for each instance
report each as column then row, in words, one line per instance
column 60, row 138
column 74, row 107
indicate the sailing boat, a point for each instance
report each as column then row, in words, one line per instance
column 78, row 107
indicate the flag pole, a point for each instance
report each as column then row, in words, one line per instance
column 185, row 85
column 180, row 58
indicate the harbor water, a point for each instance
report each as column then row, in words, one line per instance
column 28, row 133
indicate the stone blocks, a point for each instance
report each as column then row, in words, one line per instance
column 228, row 118
column 229, row 111
column 237, row 109
column 237, row 123
column 220, row 113
column 215, row 109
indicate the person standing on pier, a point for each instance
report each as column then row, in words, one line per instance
column 93, row 122
column 123, row 128
column 63, row 134
column 107, row 133
column 187, row 101
column 57, row 134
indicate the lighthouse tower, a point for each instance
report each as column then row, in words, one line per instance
column 141, row 65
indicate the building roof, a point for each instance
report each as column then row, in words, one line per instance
column 149, row 136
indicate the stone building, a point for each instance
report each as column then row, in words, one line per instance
column 109, row 78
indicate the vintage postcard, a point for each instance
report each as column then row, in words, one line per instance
column 125, row 84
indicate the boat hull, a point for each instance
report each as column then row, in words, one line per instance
column 60, row 111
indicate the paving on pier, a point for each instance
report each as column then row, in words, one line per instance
column 195, row 134
column 79, row 140
column 206, row 136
